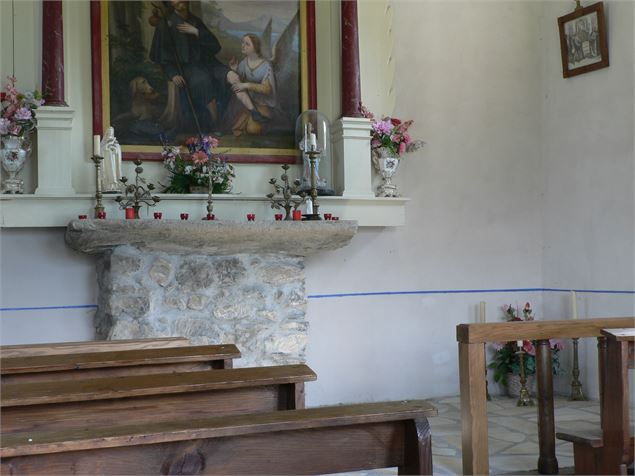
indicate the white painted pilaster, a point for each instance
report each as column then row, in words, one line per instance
column 54, row 161
column 351, row 150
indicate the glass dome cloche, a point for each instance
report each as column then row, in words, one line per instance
column 313, row 134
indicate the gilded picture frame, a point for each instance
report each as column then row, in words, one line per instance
column 165, row 68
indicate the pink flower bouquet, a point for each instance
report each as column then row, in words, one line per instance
column 391, row 134
column 506, row 359
column 195, row 168
column 17, row 116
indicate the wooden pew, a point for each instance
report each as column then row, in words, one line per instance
column 610, row 449
column 311, row 441
column 75, row 366
column 54, row 348
column 140, row 399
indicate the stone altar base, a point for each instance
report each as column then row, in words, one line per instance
column 212, row 282
column 257, row 302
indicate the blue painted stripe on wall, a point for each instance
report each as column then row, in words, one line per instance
column 46, row 308
column 381, row 293
column 468, row 291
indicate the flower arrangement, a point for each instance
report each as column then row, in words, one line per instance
column 506, row 359
column 390, row 134
column 195, row 169
column 18, row 110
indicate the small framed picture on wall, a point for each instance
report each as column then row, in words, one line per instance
column 583, row 40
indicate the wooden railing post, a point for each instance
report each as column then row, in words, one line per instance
column 473, row 408
column 547, row 462
column 601, row 364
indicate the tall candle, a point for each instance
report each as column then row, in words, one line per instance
column 481, row 313
column 96, row 145
column 519, row 343
column 574, row 306
column 309, row 206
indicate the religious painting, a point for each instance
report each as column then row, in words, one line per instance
column 241, row 71
column 583, row 40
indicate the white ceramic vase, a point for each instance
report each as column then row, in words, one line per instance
column 14, row 150
column 386, row 163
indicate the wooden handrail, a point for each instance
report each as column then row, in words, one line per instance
column 534, row 330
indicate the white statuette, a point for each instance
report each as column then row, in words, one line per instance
column 111, row 151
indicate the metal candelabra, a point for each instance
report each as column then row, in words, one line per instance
column 487, row 395
column 99, row 206
column 210, row 188
column 291, row 196
column 524, row 399
column 576, row 386
column 313, row 155
column 140, row 192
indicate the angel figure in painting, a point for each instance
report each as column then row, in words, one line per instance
column 254, row 85
column 255, row 107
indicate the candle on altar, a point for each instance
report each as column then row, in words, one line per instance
column 519, row 343
column 481, row 312
column 297, row 215
column 574, row 306
column 130, row 214
column 97, row 145
column 309, row 206
column 312, row 141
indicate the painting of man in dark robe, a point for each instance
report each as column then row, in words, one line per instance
column 218, row 68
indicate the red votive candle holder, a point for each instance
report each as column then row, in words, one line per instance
column 82, row 217
column 328, row 216
column 129, row 214
column 335, row 218
column 278, row 216
column 158, row 215
column 101, row 215
column 185, row 216
column 210, row 216
column 297, row 215
column 251, row 216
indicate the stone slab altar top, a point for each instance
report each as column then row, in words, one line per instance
column 292, row 238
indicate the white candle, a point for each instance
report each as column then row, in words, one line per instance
column 519, row 343
column 574, row 306
column 309, row 206
column 305, row 138
column 97, row 145
column 481, row 313
column 312, row 141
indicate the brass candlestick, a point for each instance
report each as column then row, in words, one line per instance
column 291, row 197
column 99, row 206
column 210, row 188
column 313, row 155
column 524, row 399
column 139, row 191
column 487, row 395
column 576, row 386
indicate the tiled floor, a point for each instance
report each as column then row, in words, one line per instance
column 513, row 435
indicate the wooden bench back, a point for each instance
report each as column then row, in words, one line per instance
column 55, row 348
column 149, row 398
column 311, row 441
column 115, row 363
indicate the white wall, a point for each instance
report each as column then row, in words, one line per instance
column 588, row 206
column 473, row 76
